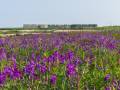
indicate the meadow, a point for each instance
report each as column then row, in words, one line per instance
column 61, row 61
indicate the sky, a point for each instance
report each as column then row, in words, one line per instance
column 14, row 13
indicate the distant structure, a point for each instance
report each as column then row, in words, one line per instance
column 30, row 26
column 42, row 26
column 57, row 26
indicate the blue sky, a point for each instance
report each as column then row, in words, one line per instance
column 17, row 12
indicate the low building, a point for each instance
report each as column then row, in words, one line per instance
column 42, row 26
column 30, row 26
column 58, row 26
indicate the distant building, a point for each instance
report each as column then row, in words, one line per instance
column 30, row 26
column 57, row 26
column 43, row 26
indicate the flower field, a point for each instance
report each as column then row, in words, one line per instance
column 61, row 61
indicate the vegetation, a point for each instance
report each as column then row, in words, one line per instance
column 61, row 61
column 115, row 28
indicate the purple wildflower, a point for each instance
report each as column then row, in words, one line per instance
column 2, row 54
column 33, row 55
column 56, row 54
column 43, row 69
column 45, row 59
column 62, row 58
column 38, row 58
column 51, row 58
column 78, row 61
column 118, row 51
column 1, row 42
column 30, row 68
column 70, row 55
column 2, row 78
column 107, row 77
column 53, row 79
column 107, row 88
column 114, row 82
column 71, row 70
column 16, row 74
column 118, row 88
column 8, row 71
column 12, row 72
column 14, row 60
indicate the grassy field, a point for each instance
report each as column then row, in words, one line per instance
column 4, row 33
column 60, row 60
column 22, row 31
